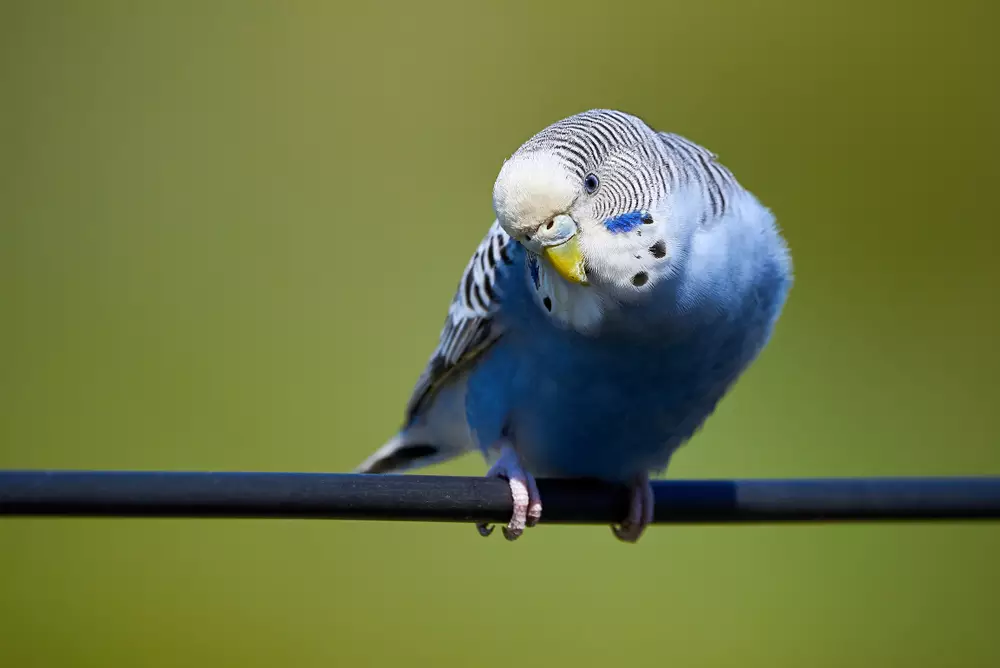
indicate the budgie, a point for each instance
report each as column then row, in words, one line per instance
column 626, row 283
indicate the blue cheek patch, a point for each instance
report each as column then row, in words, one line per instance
column 625, row 222
column 533, row 268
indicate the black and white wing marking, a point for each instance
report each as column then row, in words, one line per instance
column 470, row 327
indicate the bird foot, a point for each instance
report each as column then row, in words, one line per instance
column 640, row 513
column 523, row 491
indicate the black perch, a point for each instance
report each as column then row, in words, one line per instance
column 64, row 493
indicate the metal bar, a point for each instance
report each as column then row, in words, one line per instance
column 466, row 499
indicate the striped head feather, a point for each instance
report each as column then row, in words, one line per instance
column 635, row 197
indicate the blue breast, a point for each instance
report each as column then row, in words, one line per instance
column 606, row 406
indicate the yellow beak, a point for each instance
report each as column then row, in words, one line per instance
column 567, row 260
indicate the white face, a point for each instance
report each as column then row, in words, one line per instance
column 531, row 189
column 598, row 239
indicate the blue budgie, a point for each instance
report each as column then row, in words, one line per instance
column 626, row 283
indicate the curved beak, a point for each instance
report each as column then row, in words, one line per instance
column 564, row 254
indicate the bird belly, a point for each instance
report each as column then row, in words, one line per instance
column 593, row 408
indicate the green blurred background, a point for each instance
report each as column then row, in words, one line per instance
column 229, row 232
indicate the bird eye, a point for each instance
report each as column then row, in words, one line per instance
column 590, row 184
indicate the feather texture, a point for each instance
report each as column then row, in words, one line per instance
column 469, row 326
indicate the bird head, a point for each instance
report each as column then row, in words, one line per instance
column 589, row 197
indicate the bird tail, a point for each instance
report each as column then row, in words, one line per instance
column 409, row 449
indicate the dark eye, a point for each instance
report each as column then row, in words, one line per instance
column 590, row 184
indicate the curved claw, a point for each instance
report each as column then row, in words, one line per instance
column 527, row 506
column 640, row 513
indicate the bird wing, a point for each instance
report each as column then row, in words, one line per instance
column 470, row 327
